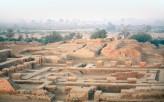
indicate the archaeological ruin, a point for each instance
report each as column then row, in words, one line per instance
column 82, row 70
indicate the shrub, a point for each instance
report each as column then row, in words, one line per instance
column 142, row 37
column 99, row 34
column 72, row 36
column 2, row 39
column 155, row 42
column 54, row 37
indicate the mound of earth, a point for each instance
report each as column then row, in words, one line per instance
column 124, row 50
column 20, row 46
column 89, row 51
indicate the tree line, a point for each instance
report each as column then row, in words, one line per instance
column 52, row 37
column 145, row 37
column 99, row 33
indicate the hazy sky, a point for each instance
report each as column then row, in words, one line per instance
column 81, row 9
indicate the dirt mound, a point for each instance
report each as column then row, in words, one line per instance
column 53, row 45
column 35, row 43
column 89, row 51
column 124, row 50
column 99, row 40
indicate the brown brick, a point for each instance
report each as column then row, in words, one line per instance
column 99, row 64
column 143, row 64
column 113, row 63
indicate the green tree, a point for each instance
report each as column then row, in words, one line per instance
column 99, row 34
column 10, row 33
column 53, row 37
column 155, row 42
column 2, row 39
column 142, row 37
column 72, row 36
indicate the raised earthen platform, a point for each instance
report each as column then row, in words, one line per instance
column 63, row 77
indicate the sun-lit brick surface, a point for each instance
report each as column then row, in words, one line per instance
column 5, row 86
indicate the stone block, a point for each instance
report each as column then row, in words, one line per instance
column 111, row 79
column 97, row 95
column 22, row 67
column 67, row 89
column 12, row 69
column 143, row 64
column 55, row 61
column 43, row 59
column 30, row 65
column 125, row 75
column 81, row 93
column 6, row 71
column 51, row 88
column 19, row 67
column 25, row 65
column 15, row 69
column 69, row 63
column 128, row 64
column 52, row 78
column 37, row 59
column 77, row 97
column 113, row 63
column 157, row 65
column 39, row 92
column 99, row 64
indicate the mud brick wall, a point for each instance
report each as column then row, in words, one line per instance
column 125, row 75
column 68, row 88
column 71, row 78
column 14, row 62
column 51, row 88
column 102, row 71
column 4, row 54
column 17, row 76
column 97, row 95
column 9, row 63
column 99, row 64
column 84, row 91
column 36, row 94
column 111, row 79
column 115, row 88
column 76, row 97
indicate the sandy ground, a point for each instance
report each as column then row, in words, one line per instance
column 59, row 96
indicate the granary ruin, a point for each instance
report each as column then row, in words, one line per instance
column 82, row 70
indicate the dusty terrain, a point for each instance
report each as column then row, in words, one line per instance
column 80, row 70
